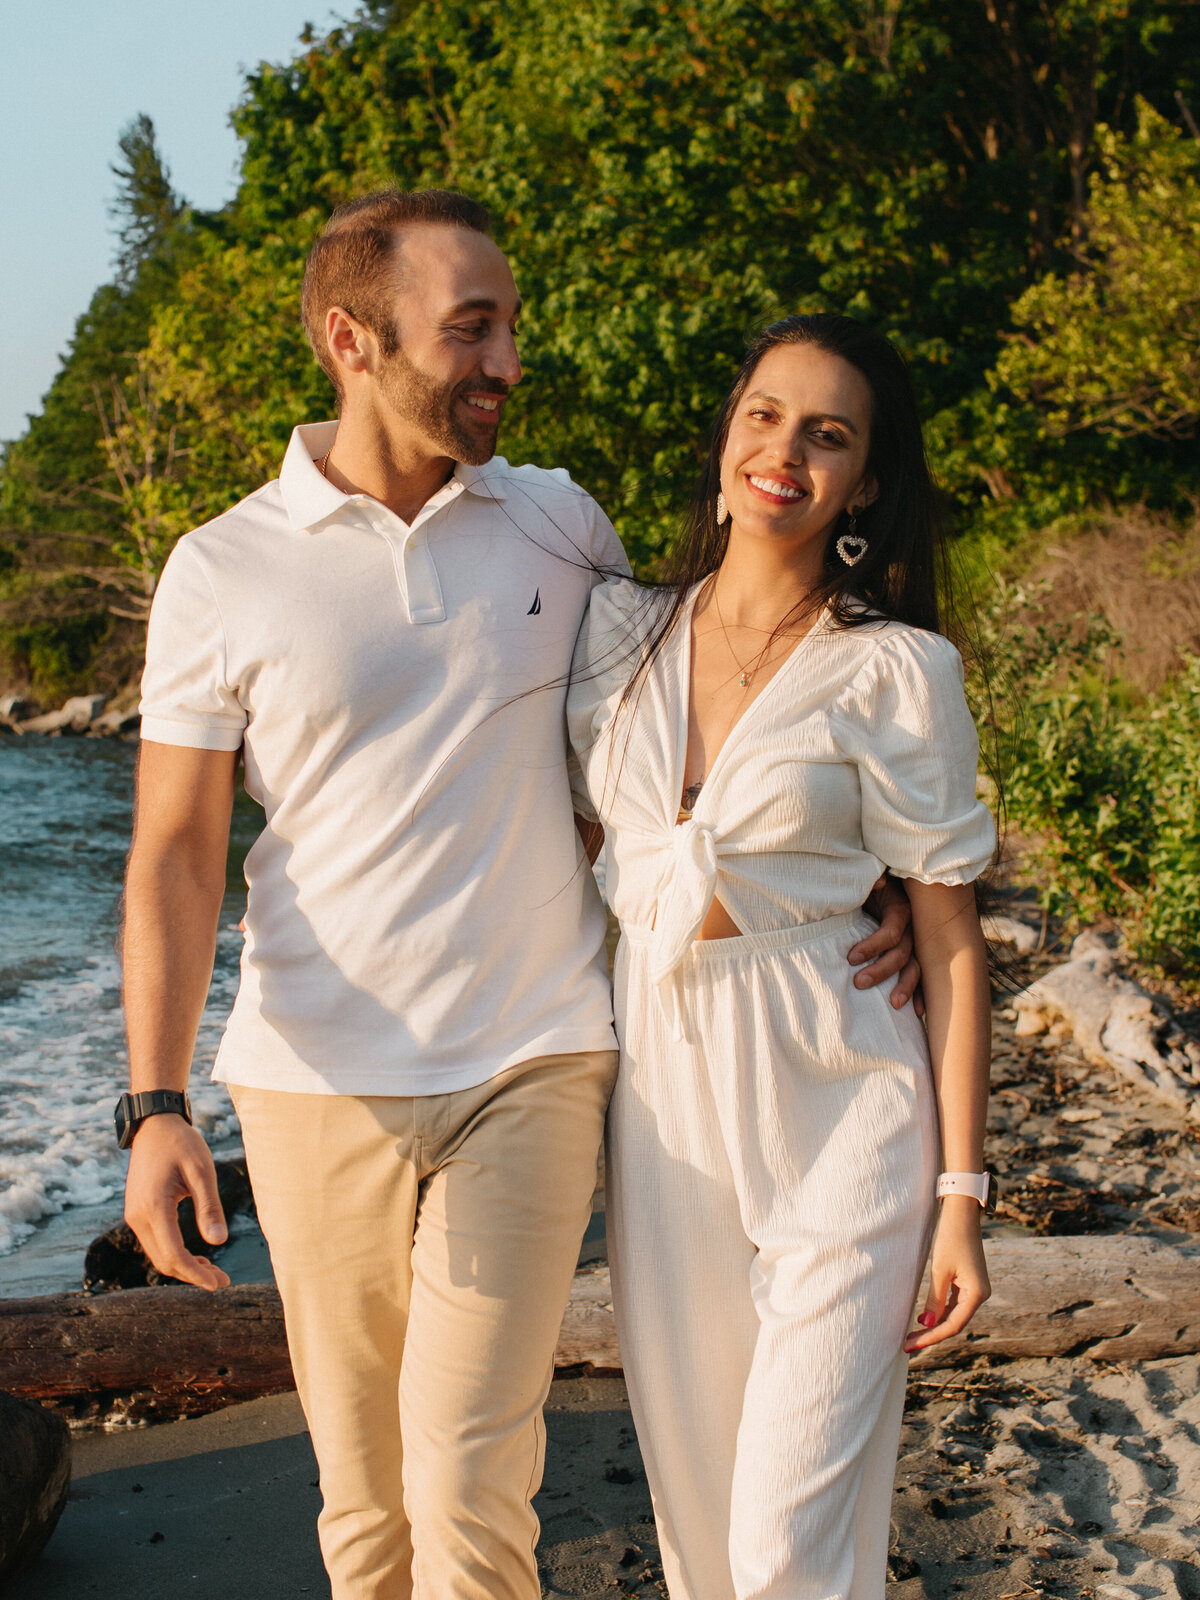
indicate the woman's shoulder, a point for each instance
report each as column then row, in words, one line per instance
column 622, row 611
column 895, row 672
column 881, row 645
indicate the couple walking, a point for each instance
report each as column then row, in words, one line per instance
column 422, row 1049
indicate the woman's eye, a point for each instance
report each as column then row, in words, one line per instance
column 827, row 436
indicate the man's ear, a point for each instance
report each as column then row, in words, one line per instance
column 352, row 345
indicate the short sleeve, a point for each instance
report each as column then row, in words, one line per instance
column 607, row 551
column 607, row 653
column 903, row 720
column 186, row 696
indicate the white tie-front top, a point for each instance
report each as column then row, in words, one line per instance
column 859, row 754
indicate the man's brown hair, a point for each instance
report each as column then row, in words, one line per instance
column 353, row 263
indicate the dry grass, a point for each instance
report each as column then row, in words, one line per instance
column 1142, row 577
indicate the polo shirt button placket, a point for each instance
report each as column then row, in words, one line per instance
column 425, row 603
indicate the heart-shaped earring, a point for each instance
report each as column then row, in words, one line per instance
column 852, row 547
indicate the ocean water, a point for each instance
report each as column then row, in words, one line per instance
column 64, row 831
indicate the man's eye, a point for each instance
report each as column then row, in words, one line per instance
column 472, row 330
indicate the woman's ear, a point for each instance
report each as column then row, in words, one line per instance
column 869, row 492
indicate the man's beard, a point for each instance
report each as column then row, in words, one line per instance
column 414, row 396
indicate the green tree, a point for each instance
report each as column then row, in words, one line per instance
column 1114, row 347
column 146, row 209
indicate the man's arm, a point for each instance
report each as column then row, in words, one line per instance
column 173, row 892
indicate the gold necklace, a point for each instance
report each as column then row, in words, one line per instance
column 747, row 672
column 324, row 462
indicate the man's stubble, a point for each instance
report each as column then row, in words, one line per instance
column 418, row 399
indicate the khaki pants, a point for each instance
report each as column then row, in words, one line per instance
column 424, row 1248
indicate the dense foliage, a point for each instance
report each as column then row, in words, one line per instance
column 1006, row 187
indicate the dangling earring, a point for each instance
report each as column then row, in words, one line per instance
column 722, row 509
column 852, row 547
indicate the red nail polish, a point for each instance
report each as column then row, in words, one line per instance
column 927, row 1319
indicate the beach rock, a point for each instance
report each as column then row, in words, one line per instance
column 116, row 722
column 35, row 1475
column 115, row 1260
column 1113, row 1022
column 49, row 722
column 1007, row 930
column 76, row 716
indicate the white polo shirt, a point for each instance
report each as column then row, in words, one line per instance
column 420, row 914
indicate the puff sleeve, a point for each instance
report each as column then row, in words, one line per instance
column 187, row 698
column 607, row 653
column 903, row 721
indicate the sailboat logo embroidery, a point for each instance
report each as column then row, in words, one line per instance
column 535, row 609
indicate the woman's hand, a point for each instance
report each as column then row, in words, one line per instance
column 958, row 1274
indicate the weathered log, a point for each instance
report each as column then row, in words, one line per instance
column 588, row 1336
column 35, row 1475
column 157, row 1353
column 145, row 1353
column 116, row 1260
column 1106, row 1297
column 1115, row 1023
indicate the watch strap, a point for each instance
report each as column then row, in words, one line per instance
column 980, row 1186
column 133, row 1109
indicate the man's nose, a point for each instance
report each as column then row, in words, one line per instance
column 501, row 359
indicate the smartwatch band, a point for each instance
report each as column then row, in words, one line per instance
column 133, row 1109
column 981, row 1186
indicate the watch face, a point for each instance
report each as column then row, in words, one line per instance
column 124, row 1123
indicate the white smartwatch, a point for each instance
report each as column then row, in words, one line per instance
column 981, row 1186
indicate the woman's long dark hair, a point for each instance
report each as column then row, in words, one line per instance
column 902, row 575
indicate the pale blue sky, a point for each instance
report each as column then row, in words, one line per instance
column 72, row 74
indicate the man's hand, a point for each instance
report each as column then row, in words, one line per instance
column 168, row 1161
column 889, row 950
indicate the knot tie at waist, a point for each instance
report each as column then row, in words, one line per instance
column 685, row 893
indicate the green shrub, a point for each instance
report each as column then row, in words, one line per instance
column 1102, row 783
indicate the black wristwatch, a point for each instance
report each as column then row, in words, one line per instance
column 133, row 1109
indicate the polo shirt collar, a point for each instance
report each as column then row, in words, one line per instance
column 310, row 499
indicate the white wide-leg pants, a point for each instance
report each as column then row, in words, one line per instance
column 770, row 1203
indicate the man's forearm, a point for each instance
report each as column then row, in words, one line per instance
column 170, row 932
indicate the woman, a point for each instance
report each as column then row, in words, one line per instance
column 760, row 741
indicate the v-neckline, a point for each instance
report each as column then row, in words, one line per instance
column 685, row 700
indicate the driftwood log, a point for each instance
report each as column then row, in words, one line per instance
column 35, row 1475
column 145, row 1354
column 158, row 1353
column 1115, row 1023
column 1102, row 1296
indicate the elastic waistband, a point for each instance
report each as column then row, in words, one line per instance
column 708, row 950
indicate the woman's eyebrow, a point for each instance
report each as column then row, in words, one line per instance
column 825, row 416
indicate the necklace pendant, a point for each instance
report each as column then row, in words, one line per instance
column 744, row 681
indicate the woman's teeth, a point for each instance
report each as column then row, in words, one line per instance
column 784, row 491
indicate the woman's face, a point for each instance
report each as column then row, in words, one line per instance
column 796, row 454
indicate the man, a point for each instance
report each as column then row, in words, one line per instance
column 421, row 1049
